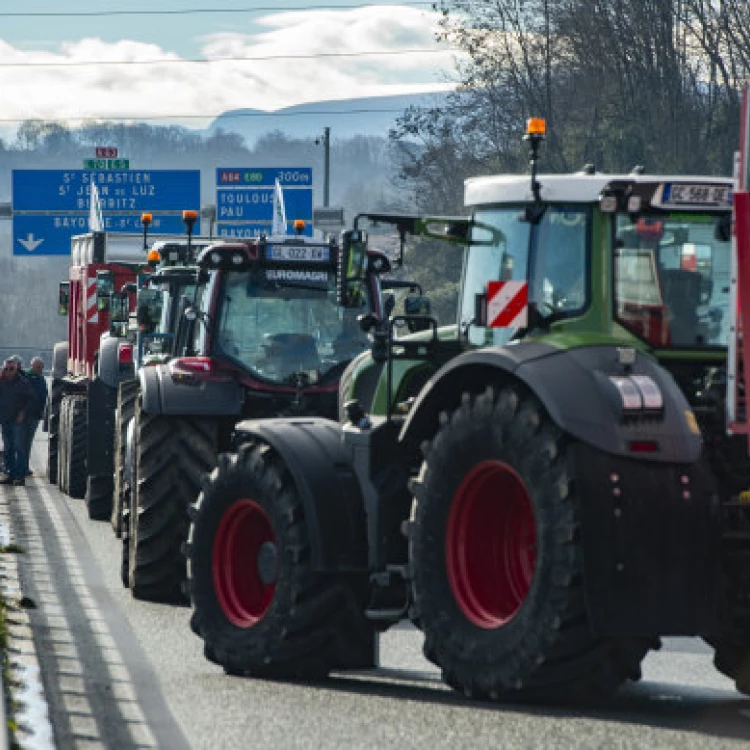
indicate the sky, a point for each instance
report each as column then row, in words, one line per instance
column 134, row 66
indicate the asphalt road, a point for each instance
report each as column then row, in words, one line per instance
column 126, row 674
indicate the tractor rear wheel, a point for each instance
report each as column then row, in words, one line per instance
column 53, row 429
column 72, row 446
column 126, row 396
column 732, row 645
column 77, row 444
column 63, row 439
column 99, row 497
column 127, row 495
column 258, row 605
column 171, row 455
column 496, row 558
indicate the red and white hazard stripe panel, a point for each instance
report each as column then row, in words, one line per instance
column 92, row 312
column 507, row 304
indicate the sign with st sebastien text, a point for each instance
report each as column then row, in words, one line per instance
column 244, row 199
column 50, row 206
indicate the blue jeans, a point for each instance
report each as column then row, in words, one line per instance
column 16, row 456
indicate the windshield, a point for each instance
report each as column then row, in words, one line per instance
column 280, row 329
column 672, row 279
column 556, row 269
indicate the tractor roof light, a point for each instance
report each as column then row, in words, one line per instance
column 299, row 226
column 536, row 127
column 146, row 219
column 153, row 258
column 189, row 218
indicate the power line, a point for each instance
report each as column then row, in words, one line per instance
column 191, row 11
column 205, row 60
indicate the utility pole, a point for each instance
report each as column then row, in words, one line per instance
column 326, row 164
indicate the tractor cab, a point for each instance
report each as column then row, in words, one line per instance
column 270, row 319
column 664, row 283
column 162, row 297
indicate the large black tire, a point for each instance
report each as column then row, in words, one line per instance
column 171, row 456
column 732, row 644
column 127, row 393
column 257, row 604
column 730, row 464
column 496, row 558
column 63, row 437
column 77, row 439
column 99, row 497
column 53, row 428
column 128, row 474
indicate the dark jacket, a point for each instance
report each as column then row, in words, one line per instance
column 38, row 383
column 15, row 397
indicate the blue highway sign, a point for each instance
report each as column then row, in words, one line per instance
column 51, row 205
column 132, row 190
column 244, row 199
column 50, row 235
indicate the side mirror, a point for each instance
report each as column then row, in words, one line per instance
column 420, row 307
column 350, row 281
column 119, row 311
column 63, row 297
column 417, row 305
column 105, row 285
column 480, row 310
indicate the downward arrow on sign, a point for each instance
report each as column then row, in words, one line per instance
column 30, row 243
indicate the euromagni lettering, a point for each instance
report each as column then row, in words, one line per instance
column 284, row 275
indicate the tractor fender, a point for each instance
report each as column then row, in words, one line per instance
column 59, row 365
column 322, row 471
column 163, row 394
column 110, row 370
column 574, row 387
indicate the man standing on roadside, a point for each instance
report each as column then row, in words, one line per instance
column 15, row 397
column 35, row 412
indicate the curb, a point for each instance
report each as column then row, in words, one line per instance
column 28, row 706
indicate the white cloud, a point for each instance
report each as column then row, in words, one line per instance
column 208, row 89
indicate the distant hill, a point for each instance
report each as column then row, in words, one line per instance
column 372, row 116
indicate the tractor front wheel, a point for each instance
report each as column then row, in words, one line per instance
column 126, row 395
column 258, row 605
column 496, row 558
column 171, row 455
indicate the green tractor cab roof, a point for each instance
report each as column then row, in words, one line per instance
column 667, row 192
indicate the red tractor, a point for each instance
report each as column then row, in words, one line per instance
column 264, row 337
column 97, row 356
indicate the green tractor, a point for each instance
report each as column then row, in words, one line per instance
column 529, row 486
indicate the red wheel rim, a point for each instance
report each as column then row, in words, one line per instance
column 490, row 545
column 244, row 534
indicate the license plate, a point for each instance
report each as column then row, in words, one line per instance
column 298, row 253
column 698, row 195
